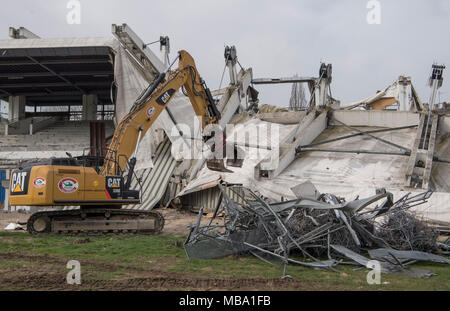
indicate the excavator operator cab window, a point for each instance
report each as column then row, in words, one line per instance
column 65, row 162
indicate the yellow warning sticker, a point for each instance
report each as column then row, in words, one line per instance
column 17, row 188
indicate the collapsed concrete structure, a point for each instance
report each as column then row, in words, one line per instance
column 348, row 152
column 375, row 143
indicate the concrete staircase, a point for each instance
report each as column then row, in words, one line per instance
column 420, row 162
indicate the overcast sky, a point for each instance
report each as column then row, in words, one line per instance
column 276, row 38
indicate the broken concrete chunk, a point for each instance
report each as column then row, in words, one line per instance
column 14, row 226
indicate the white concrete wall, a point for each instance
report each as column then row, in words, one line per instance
column 381, row 118
column 444, row 124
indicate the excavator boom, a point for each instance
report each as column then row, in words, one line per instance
column 145, row 111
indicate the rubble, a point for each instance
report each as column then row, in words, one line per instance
column 317, row 226
column 14, row 226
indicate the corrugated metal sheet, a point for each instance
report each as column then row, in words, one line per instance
column 207, row 199
column 154, row 180
column 172, row 190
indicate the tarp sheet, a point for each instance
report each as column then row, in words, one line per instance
column 130, row 84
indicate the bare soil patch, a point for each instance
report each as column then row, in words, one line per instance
column 49, row 273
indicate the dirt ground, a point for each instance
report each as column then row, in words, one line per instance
column 176, row 221
column 43, row 272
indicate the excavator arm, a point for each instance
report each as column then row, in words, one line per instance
column 136, row 123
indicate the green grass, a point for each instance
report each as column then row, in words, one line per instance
column 161, row 253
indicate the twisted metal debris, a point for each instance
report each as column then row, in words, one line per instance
column 314, row 226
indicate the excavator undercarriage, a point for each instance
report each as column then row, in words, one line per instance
column 96, row 221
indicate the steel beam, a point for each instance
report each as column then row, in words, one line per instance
column 5, row 92
column 398, row 153
column 374, row 137
column 358, row 134
column 56, row 84
column 57, row 104
column 137, row 48
column 63, row 93
column 51, row 98
column 283, row 80
column 15, row 62
column 307, row 149
column 56, row 74
column 49, row 74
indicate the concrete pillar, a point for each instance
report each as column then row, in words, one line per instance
column 164, row 55
column 16, row 108
column 90, row 107
column 404, row 94
column 233, row 72
column 320, row 93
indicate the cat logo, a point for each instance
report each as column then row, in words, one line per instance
column 164, row 98
column 113, row 182
column 113, row 186
column 18, row 182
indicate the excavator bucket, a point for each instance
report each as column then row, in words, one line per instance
column 235, row 162
column 217, row 165
column 238, row 158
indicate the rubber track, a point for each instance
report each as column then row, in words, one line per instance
column 95, row 212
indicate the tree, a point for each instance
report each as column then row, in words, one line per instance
column 298, row 97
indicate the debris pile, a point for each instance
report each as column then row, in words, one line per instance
column 316, row 226
column 404, row 231
column 14, row 226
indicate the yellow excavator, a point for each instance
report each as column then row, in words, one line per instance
column 102, row 192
